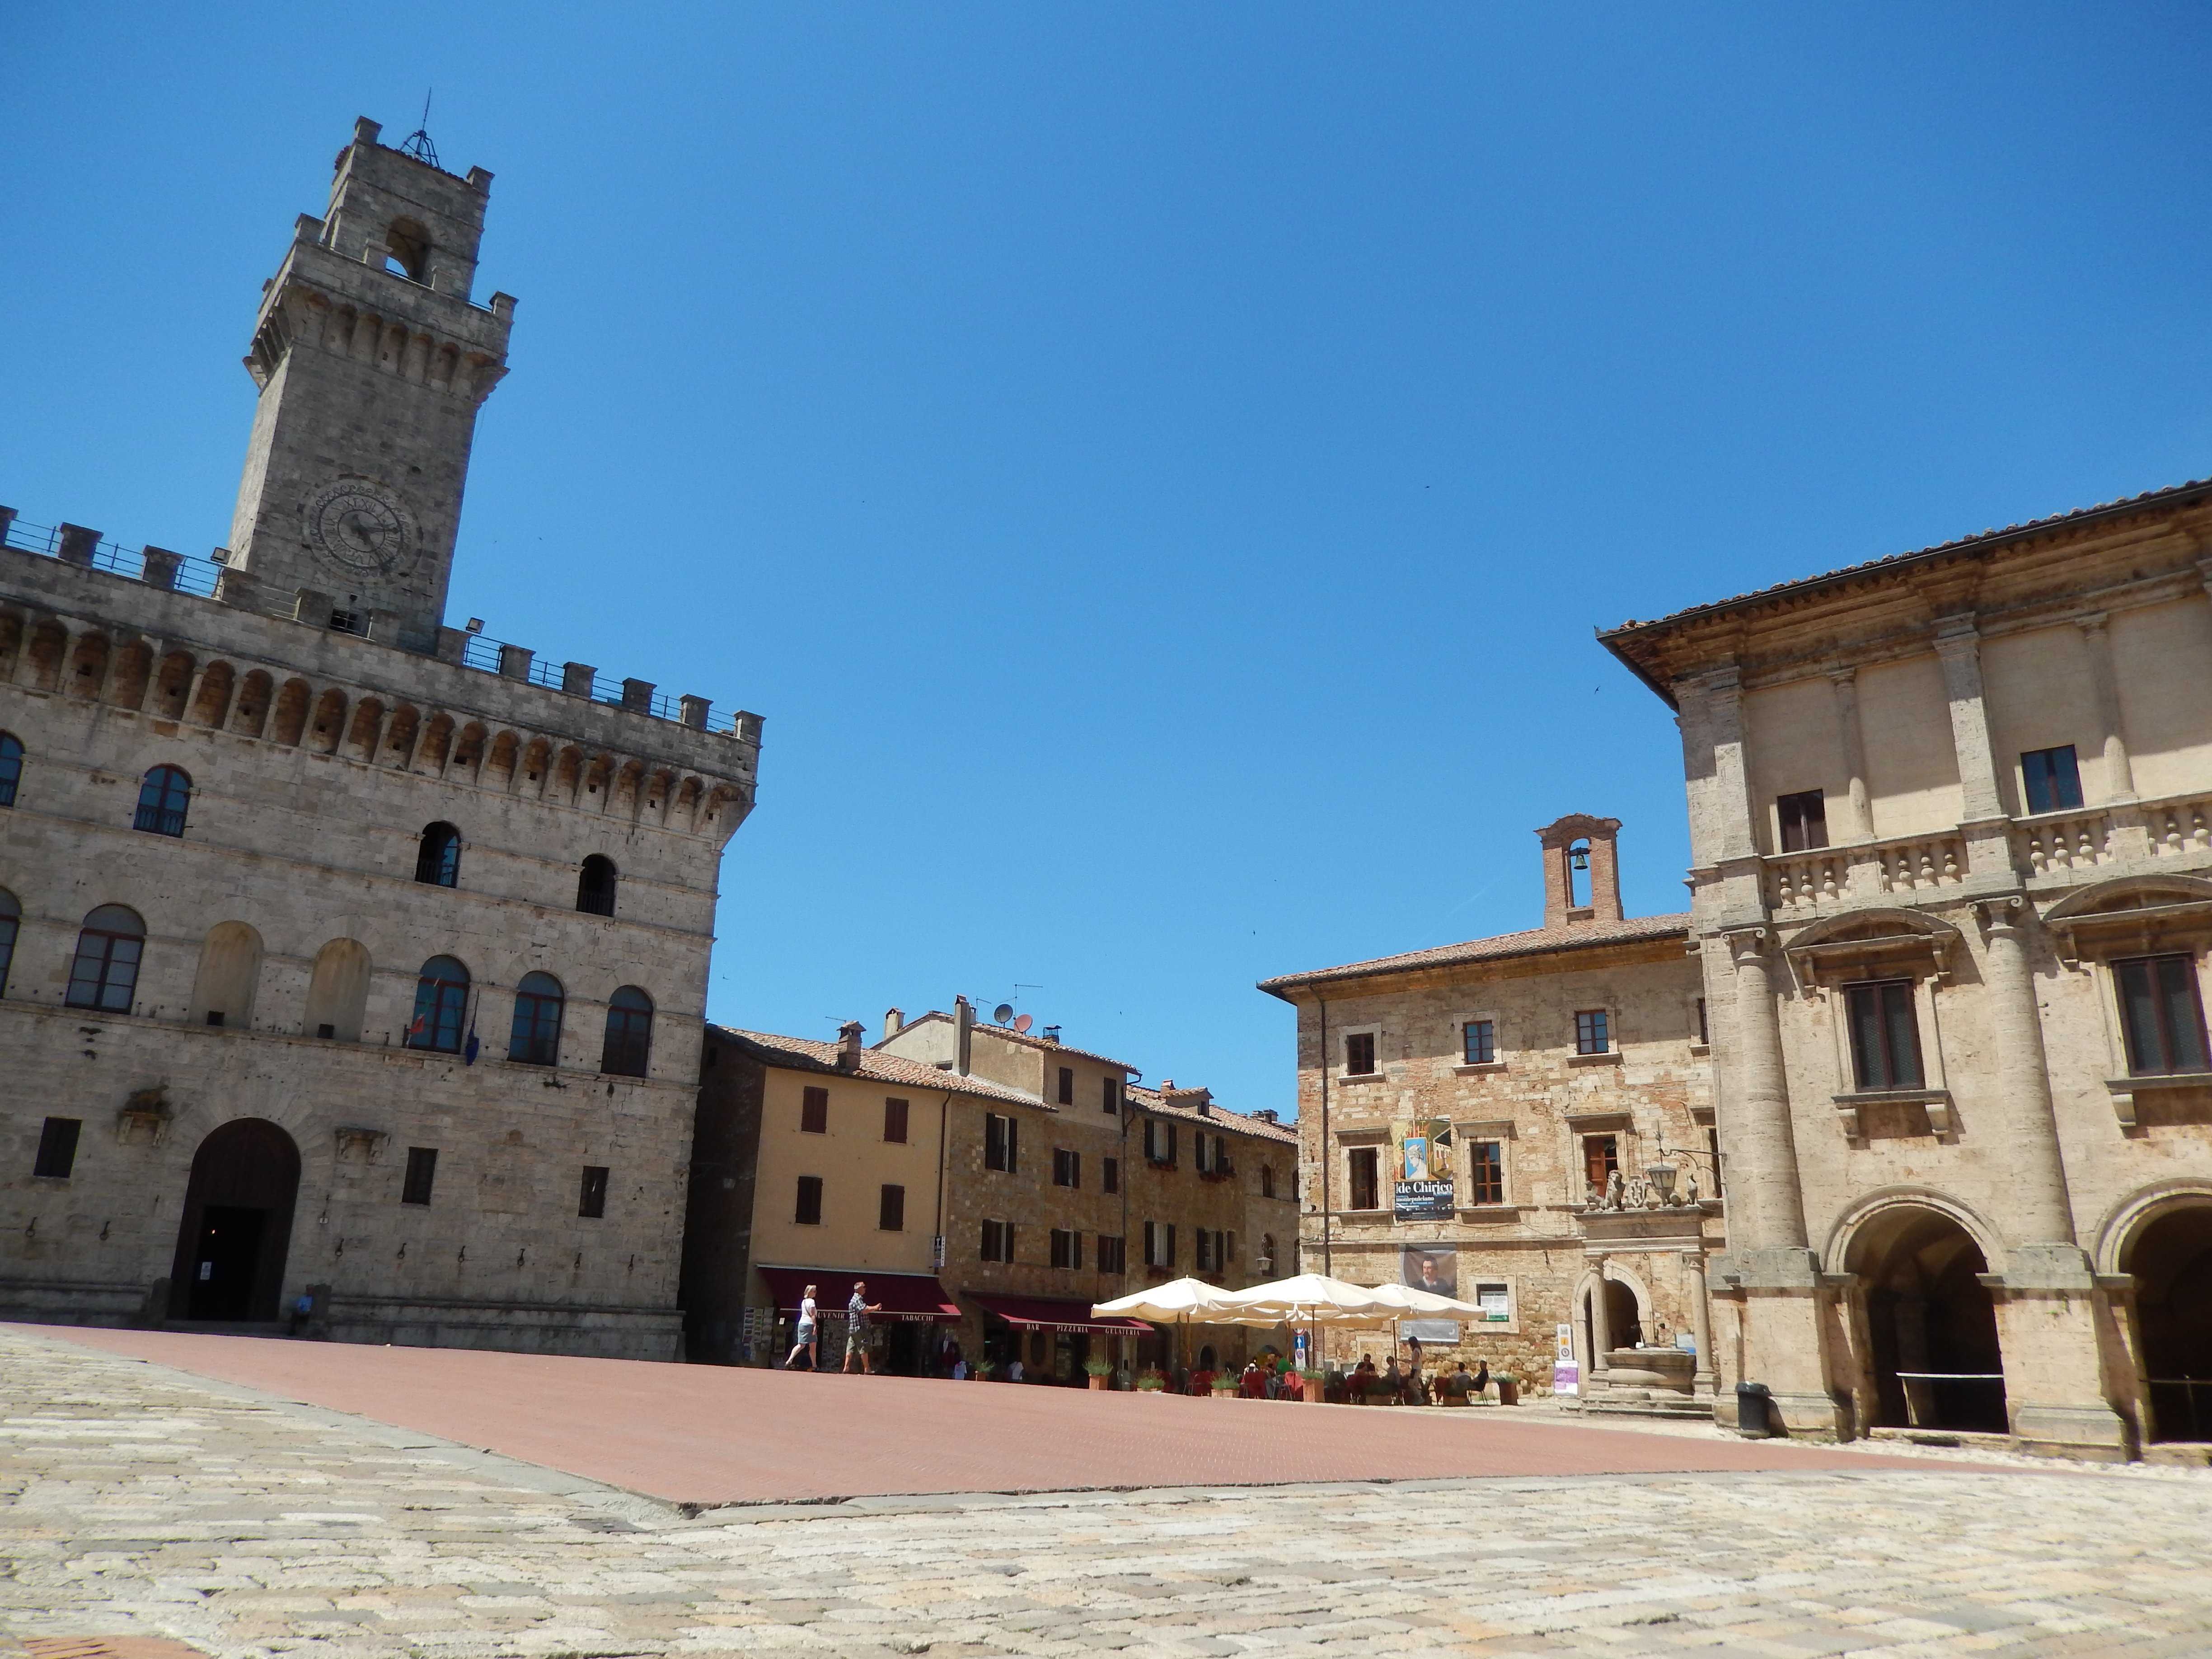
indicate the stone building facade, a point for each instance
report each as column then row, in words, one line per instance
column 1487, row 1117
column 1035, row 1179
column 342, row 956
column 1951, row 814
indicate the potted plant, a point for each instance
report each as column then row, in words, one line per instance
column 1151, row 1381
column 1225, row 1385
column 1313, row 1385
column 1509, row 1389
column 1100, row 1369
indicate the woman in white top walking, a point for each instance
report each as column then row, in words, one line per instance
column 805, row 1343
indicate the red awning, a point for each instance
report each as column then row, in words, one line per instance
column 914, row 1297
column 1037, row 1313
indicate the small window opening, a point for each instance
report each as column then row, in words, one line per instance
column 58, row 1148
column 1804, row 820
column 1359, row 1054
column 1578, row 876
column 591, row 1201
column 162, row 799
column 439, row 862
column 408, row 250
column 2053, row 779
column 595, row 886
column 421, row 1174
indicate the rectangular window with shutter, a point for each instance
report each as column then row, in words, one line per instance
column 1485, row 1172
column 1113, row 1254
column 1359, row 1054
column 1109, row 1174
column 807, row 1211
column 1066, row 1248
column 2161, row 1014
column 1884, row 1035
column 998, row 1241
column 814, row 1112
column 998, row 1142
column 1067, row 1085
column 591, row 1203
column 421, row 1174
column 1066, row 1168
column 1205, row 1251
column 1600, row 1160
column 1365, row 1189
column 57, row 1154
column 891, row 1213
column 1111, row 1090
column 1803, row 820
column 894, row 1120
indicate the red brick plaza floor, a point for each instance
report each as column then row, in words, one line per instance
column 709, row 1435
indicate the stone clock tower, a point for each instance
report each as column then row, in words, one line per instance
column 372, row 361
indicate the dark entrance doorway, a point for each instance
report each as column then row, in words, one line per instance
column 237, row 1224
column 1624, row 1323
column 905, row 1342
column 1932, row 1327
column 2171, row 1261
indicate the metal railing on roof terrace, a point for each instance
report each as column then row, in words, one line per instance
column 158, row 567
column 74, row 545
column 579, row 679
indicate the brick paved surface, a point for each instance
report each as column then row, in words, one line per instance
column 712, row 1434
column 140, row 1501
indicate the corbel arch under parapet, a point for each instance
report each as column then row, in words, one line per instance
column 49, row 646
column 172, row 684
column 368, row 720
column 537, row 760
column 291, row 720
column 89, row 663
column 399, row 736
column 249, row 716
column 469, row 750
column 1862, row 1221
column 327, row 729
column 437, row 744
column 128, row 675
column 212, row 704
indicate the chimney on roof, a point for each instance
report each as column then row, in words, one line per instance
column 848, row 1045
column 1167, row 1086
column 963, row 1030
column 1052, row 1034
column 1205, row 1102
column 894, row 1022
column 1265, row 1115
column 1581, row 872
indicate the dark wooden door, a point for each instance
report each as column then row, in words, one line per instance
column 236, row 1228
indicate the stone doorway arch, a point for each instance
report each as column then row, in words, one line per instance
column 2169, row 1256
column 1932, row 1348
column 236, row 1230
column 1627, row 1308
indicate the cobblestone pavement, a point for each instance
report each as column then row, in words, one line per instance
column 142, row 1502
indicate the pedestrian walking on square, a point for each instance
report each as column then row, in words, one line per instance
column 805, row 1343
column 856, row 1328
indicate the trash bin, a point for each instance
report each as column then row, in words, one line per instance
column 1754, row 1413
column 1509, row 1391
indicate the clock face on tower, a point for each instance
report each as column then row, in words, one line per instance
column 360, row 527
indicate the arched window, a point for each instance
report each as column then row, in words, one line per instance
column 629, row 1033
column 10, row 915
column 104, row 975
column 439, row 863
column 229, row 976
column 11, row 774
column 595, row 888
column 162, row 799
column 441, row 1006
column 536, row 1037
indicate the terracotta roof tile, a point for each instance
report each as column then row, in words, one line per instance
column 1214, row 1116
column 1535, row 942
column 805, row 1055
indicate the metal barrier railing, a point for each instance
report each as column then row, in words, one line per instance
column 199, row 577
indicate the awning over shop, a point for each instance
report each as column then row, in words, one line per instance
column 914, row 1297
column 1037, row 1313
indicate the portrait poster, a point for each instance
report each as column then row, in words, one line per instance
column 1434, row 1268
column 1417, row 1158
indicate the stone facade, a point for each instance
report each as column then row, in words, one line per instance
column 1951, row 821
column 1072, row 1113
column 219, row 1096
column 1494, row 1049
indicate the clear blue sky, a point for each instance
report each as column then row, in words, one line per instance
column 1157, row 468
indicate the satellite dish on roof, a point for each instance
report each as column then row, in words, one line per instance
column 1002, row 1013
column 1023, row 1023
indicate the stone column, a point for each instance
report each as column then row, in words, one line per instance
column 2037, row 1210
column 1981, row 812
column 2119, row 771
column 1766, row 1210
column 1600, row 1326
column 1846, row 683
column 2048, row 1309
column 1701, row 1323
column 1767, row 1255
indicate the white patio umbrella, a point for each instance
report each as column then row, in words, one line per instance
column 1429, row 1304
column 1314, row 1298
column 1177, row 1302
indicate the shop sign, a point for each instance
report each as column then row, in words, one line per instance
column 1423, row 1200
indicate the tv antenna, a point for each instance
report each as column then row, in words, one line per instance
column 417, row 143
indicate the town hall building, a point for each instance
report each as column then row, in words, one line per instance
column 352, row 966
